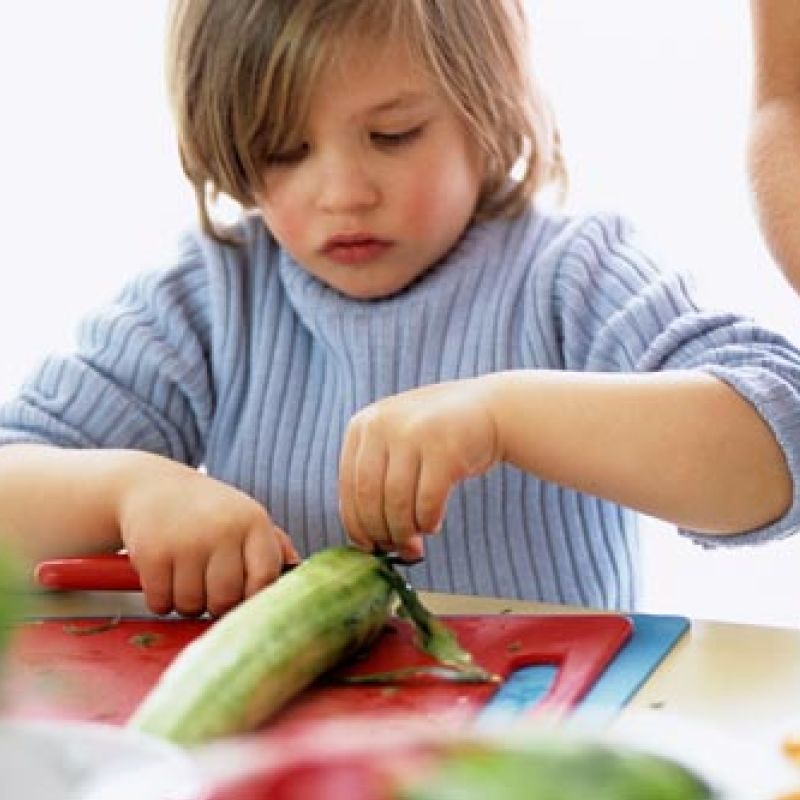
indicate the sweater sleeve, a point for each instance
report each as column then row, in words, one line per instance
column 139, row 377
column 615, row 310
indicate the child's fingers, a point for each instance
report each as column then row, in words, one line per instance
column 370, row 478
column 263, row 559
column 189, row 585
column 347, row 494
column 155, row 575
column 413, row 549
column 433, row 488
column 400, row 491
column 289, row 554
column 225, row 579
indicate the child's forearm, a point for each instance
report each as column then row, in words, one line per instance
column 682, row 446
column 59, row 502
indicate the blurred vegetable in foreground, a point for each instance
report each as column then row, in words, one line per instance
column 560, row 770
column 11, row 597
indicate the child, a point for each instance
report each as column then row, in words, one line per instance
column 394, row 329
column 774, row 147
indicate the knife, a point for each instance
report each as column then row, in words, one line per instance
column 112, row 572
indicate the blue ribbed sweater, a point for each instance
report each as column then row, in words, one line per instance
column 239, row 360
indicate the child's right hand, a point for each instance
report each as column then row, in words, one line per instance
column 403, row 454
column 197, row 543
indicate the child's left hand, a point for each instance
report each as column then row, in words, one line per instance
column 402, row 455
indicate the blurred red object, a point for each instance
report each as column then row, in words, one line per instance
column 348, row 759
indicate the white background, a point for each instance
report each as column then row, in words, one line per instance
column 652, row 98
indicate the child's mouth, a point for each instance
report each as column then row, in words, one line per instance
column 354, row 249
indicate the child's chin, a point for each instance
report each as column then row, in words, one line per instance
column 376, row 291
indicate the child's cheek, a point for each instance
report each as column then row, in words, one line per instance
column 423, row 201
column 286, row 224
column 438, row 203
column 291, row 229
column 416, row 213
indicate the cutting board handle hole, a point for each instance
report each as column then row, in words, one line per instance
column 519, row 693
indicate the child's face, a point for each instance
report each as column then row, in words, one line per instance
column 384, row 182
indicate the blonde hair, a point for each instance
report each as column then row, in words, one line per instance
column 240, row 76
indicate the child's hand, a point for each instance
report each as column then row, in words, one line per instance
column 198, row 544
column 401, row 457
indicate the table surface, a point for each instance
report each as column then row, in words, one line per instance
column 736, row 676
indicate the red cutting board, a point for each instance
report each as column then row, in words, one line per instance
column 87, row 670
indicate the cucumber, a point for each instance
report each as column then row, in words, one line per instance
column 253, row 660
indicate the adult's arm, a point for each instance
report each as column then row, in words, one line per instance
column 774, row 143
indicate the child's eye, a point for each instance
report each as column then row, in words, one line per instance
column 396, row 139
column 286, row 158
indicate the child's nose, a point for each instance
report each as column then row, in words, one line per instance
column 346, row 185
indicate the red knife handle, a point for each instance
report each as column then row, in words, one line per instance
column 112, row 572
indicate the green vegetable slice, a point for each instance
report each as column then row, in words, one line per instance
column 433, row 637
